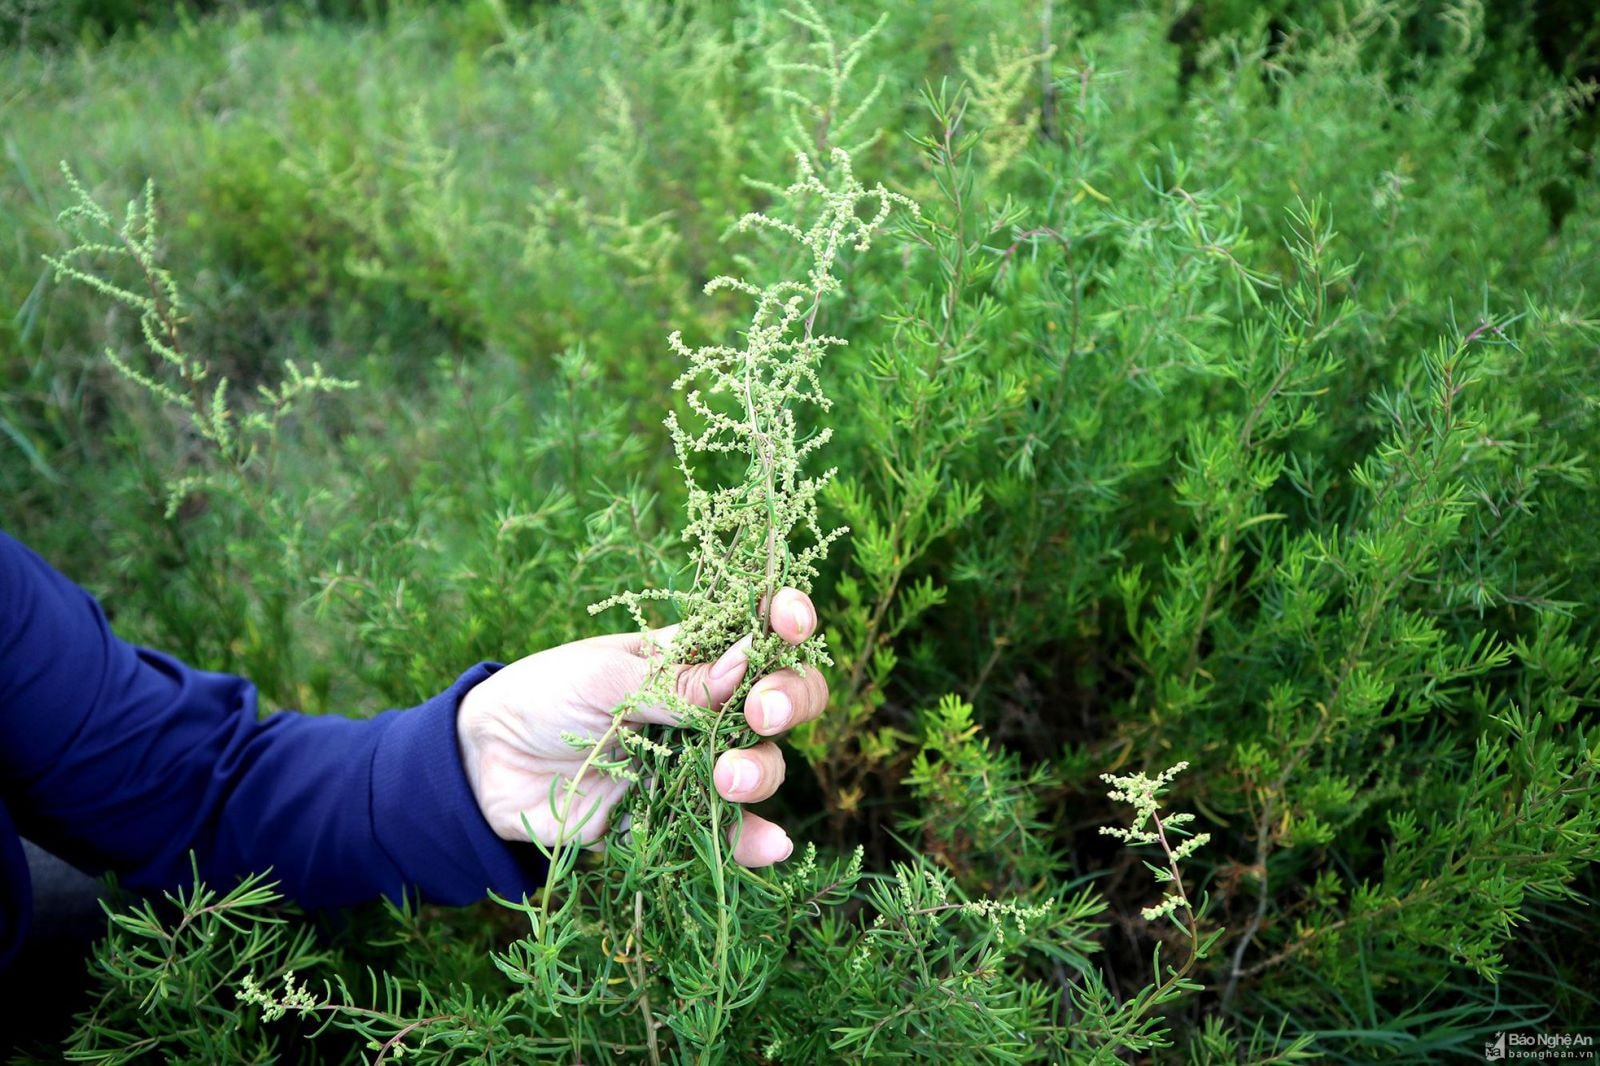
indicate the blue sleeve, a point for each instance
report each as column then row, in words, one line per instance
column 117, row 757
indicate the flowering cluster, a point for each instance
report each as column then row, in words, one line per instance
column 1143, row 793
column 295, row 997
column 761, row 533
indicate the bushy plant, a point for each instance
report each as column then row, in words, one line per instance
column 1223, row 400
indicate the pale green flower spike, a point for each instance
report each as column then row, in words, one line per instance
column 752, row 538
column 1143, row 793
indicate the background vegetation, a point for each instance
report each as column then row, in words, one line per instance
column 1231, row 402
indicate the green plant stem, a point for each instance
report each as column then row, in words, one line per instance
column 643, row 979
column 719, row 880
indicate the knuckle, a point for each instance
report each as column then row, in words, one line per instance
column 776, row 768
column 819, row 689
column 691, row 684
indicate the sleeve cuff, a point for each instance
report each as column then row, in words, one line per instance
column 425, row 817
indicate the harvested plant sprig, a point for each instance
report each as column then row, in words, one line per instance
column 678, row 887
column 761, row 533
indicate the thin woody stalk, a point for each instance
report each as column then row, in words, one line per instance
column 1143, row 793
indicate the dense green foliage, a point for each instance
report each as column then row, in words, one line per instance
column 1226, row 398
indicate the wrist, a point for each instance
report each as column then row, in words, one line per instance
column 492, row 761
column 471, row 719
column 425, row 815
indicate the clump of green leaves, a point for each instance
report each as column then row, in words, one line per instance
column 1144, row 460
column 162, row 959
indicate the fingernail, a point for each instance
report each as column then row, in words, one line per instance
column 745, row 775
column 800, row 614
column 732, row 661
column 788, row 848
column 776, row 711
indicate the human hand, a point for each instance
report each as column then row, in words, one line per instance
column 510, row 727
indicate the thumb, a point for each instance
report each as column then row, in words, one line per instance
column 702, row 684
column 711, row 684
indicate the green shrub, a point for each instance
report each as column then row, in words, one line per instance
column 1228, row 405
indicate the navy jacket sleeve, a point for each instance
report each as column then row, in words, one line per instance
column 117, row 757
